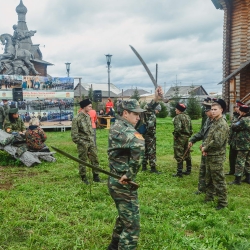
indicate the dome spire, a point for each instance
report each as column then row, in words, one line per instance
column 21, row 11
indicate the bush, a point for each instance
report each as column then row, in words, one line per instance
column 163, row 113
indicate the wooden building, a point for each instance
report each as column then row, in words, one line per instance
column 236, row 50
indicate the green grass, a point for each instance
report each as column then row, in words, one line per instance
column 48, row 207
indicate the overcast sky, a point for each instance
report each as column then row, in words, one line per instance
column 183, row 37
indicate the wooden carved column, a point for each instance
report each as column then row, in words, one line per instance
column 232, row 96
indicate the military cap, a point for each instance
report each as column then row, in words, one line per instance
column 207, row 101
column 13, row 110
column 85, row 103
column 244, row 108
column 131, row 105
column 222, row 104
column 207, row 108
column 239, row 103
column 181, row 107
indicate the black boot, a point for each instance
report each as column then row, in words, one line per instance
column 154, row 170
column 189, row 167
column 237, row 181
column 144, row 168
column 179, row 170
column 247, row 179
column 96, row 178
column 113, row 245
column 84, row 179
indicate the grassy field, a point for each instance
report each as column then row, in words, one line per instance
column 48, row 207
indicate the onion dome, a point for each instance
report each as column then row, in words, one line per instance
column 21, row 9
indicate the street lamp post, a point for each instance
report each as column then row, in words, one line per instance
column 68, row 68
column 108, row 58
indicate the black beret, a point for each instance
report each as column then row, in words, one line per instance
column 222, row 104
column 181, row 107
column 244, row 108
column 85, row 103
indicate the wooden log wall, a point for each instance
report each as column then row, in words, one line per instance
column 236, row 45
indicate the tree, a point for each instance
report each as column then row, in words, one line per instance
column 136, row 95
column 193, row 106
column 163, row 113
column 174, row 100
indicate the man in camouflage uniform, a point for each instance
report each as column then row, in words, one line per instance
column 182, row 132
column 2, row 116
column 231, row 140
column 14, row 123
column 242, row 145
column 6, row 107
column 214, row 149
column 83, row 135
column 126, row 149
column 202, row 135
column 152, row 109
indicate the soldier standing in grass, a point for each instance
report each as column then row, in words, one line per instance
column 231, row 140
column 242, row 145
column 182, row 132
column 83, row 135
column 2, row 116
column 126, row 148
column 152, row 109
column 214, row 148
column 202, row 135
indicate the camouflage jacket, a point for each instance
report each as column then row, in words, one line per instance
column 241, row 128
column 81, row 129
column 126, row 149
column 202, row 134
column 17, row 126
column 35, row 138
column 148, row 119
column 216, row 141
column 182, row 126
column 2, row 114
column 232, row 134
column 6, row 108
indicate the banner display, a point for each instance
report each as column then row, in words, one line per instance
column 51, row 99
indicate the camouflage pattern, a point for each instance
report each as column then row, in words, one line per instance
column 242, row 130
column 17, row 126
column 242, row 164
column 150, row 135
column 6, row 108
column 2, row 117
column 231, row 142
column 182, row 131
column 202, row 135
column 215, row 147
column 215, row 180
column 126, row 148
column 83, row 135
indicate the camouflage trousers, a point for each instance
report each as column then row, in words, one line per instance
column 180, row 146
column 215, row 179
column 127, row 225
column 242, row 162
column 87, row 150
column 202, row 175
column 150, row 150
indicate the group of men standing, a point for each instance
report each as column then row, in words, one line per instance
column 128, row 150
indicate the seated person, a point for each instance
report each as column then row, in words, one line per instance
column 101, row 112
column 35, row 136
column 13, row 124
column 102, row 120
